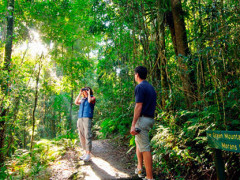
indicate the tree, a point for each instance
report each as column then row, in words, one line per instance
column 35, row 100
column 5, row 80
column 183, row 52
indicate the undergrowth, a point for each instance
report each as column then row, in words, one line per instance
column 25, row 164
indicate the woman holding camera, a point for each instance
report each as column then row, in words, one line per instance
column 84, row 123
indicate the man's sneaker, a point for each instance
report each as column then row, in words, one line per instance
column 86, row 158
column 147, row 179
column 139, row 172
column 82, row 157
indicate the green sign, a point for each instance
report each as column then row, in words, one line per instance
column 224, row 140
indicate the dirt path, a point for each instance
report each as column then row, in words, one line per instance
column 108, row 161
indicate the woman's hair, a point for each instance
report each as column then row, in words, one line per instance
column 91, row 92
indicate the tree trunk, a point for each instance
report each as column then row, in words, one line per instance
column 71, row 101
column 5, row 82
column 70, row 115
column 2, row 136
column 24, row 134
column 12, row 127
column 201, row 65
column 170, row 23
column 163, row 65
column 53, row 126
column 160, row 34
column 59, row 121
column 187, row 78
column 35, row 104
column 9, row 38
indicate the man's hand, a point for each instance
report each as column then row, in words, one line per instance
column 132, row 131
column 137, row 112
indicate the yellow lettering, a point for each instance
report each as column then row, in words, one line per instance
column 233, row 147
column 230, row 146
column 225, row 146
column 217, row 136
column 232, row 136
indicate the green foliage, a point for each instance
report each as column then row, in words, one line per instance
column 34, row 164
column 3, row 172
column 98, row 44
column 181, row 153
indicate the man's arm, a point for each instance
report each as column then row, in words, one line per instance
column 137, row 113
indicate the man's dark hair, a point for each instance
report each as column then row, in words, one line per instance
column 142, row 72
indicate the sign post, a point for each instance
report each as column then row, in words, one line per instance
column 223, row 140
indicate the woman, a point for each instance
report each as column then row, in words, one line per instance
column 84, row 123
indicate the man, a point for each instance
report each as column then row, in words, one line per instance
column 145, row 99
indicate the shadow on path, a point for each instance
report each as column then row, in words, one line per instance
column 108, row 161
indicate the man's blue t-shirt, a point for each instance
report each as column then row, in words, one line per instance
column 145, row 93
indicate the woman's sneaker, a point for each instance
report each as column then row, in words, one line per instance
column 82, row 157
column 86, row 158
column 139, row 172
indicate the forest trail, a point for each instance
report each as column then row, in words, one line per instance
column 108, row 161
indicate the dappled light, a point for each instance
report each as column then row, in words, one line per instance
column 100, row 166
column 34, row 46
column 110, row 170
column 50, row 51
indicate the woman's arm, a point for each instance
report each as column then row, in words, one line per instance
column 78, row 100
column 90, row 99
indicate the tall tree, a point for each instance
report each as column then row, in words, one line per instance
column 5, row 82
column 161, row 49
column 35, row 100
column 188, row 79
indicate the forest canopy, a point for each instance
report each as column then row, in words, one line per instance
column 50, row 49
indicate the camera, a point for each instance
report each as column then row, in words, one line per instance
column 85, row 89
column 137, row 130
